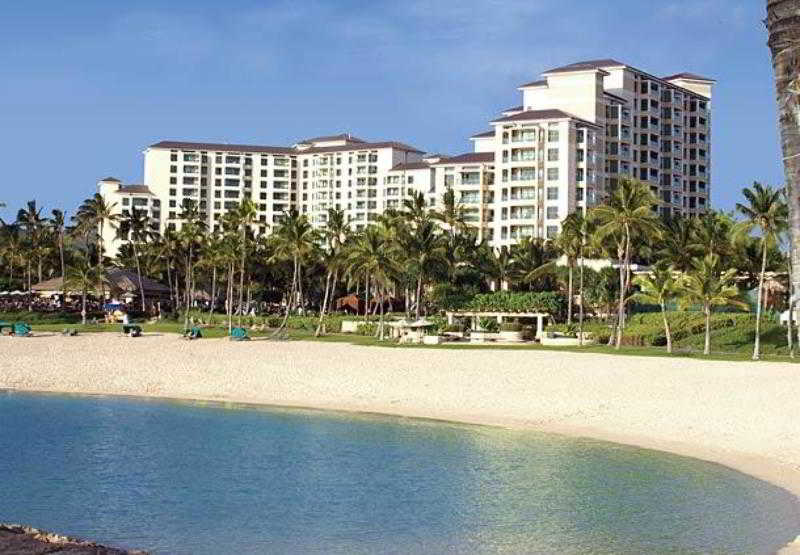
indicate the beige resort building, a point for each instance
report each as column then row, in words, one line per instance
column 579, row 130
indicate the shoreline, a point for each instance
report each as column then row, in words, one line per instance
column 316, row 392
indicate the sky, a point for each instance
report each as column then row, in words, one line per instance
column 86, row 86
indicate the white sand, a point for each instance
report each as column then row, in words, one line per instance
column 744, row 415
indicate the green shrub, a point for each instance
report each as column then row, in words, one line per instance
column 490, row 325
column 455, row 328
column 367, row 328
column 508, row 301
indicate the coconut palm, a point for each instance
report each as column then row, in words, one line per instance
column 371, row 255
column 190, row 237
column 424, row 253
column 95, row 213
column 628, row 213
column 294, row 240
column 415, row 209
column 678, row 244
column 766, row 212
column 784, row 28
column 135, row 227
column 244, row 216
column 570, row 242
column 713, row 234
column 335, row 234
column 452, row 213
column 660, row 287
column 84, row 277
column 31, row 221
column 705, row 283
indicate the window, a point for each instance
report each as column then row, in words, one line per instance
column 552, row 135
column 552, row 193
column 552, row 154
column 125, row 201
column 579, row 136
column 173, row 192
column 579, row 194
column 173, row 169
column 173, row 180
column 552, row 212
column 552, row 174
column 552, row 231
column 410, row 179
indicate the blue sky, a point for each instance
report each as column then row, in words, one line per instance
column 86, row 85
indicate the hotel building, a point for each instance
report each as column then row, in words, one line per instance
column 578, row 131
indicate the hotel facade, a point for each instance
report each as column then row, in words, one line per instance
column 579, row 130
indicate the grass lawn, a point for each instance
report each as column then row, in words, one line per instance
column 733, row 343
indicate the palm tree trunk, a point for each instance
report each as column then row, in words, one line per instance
column 324, row 303
column 419, row 296
column 213, row 290
column 290, row 300
column 707, row 345
column 188, row 288
column 63, row 266
column 380, row 322
column 229, row 297
column 83, row 307
column 580, row 308
column 139, row 274
column 621, row 307
column 569, row 296
column 757, row 343
column 241, row 275
column 30, row 297
column 789, row 330
column 169, row 281
column 666, row 327
column 784, row 26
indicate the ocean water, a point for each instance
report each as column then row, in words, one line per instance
column 175, row 477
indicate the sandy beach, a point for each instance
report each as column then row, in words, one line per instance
column 740, row 414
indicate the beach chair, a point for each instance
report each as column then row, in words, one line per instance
column 131, row 330
column 239, row 334
column 22, row 329
column 6, row 326
column 69, row 332
column 193, row 333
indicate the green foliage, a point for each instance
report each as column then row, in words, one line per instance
column 446, row 296
column 510, row 326
column 508, row 301
column 490, row 325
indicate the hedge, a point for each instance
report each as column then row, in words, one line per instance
column 508, row 301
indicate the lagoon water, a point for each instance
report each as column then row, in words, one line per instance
column 174, row 477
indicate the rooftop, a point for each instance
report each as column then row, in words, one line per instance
column 587, row 65
column 340, row 137
column 411, row 166
column 533, row 115
column 135, row 189
column 538, row 83
column 226, row 147
column 469, row 158
column 484, row 134
column 689, row 76
column 111, row 180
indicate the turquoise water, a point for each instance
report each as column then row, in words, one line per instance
column 192, row 478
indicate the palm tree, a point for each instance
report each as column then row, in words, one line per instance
column 416, row 211
column 85, row 277
column 95, row 213
column 784, row 27
column 678, row 244
column 30, row 219
column 627, row 213
column 245, row 215
column 294, row 240
column 767, row 213
column 190, row 236
column 570, row 242
column 57, row 223
column 135, row 227
column 660, row 287
column 706, row 284
column 424, row 252
column 372, row 256
column 714, row 235
column 335, row 234
column 452, row 213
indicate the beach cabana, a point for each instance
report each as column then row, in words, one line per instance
column 406, row 331
column 122, row 284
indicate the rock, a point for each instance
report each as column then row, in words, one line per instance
column 16, row 539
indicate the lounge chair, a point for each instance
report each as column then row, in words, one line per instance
column 193, row 333
column 4, row 325
column 239, row 334
column 131, row 330
column 70, row 332
column 21, row 329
